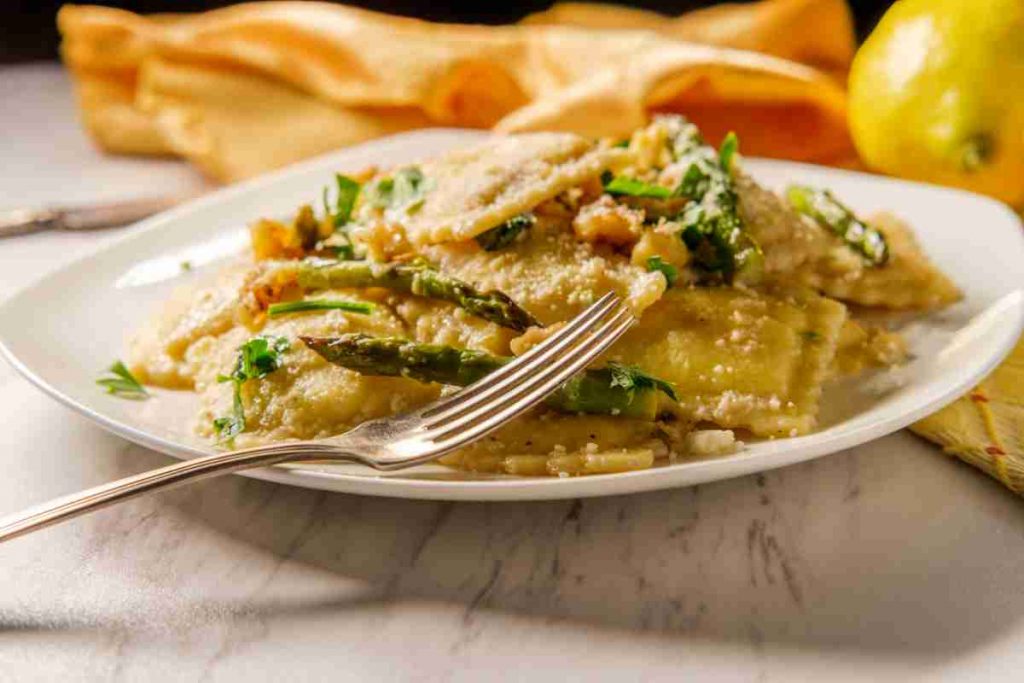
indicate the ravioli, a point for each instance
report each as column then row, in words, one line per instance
column 156, row 351
column 471, row 191
column 740, row 359
column 307, row 398
column 908, row 281
column 552, row 274
column 543, row 443
column 862, row 346
column 799, row 252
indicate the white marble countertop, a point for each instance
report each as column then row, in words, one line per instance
column 887, row 562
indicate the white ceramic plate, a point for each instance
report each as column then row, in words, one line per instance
column 63, row 331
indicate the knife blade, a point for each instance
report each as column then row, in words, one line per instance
column 24, row 221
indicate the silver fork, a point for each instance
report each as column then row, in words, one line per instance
column 387, row 444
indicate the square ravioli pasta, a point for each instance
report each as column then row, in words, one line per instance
column 741, row 359
column 476, row 189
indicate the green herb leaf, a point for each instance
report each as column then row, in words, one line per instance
column 810, row 335
column 341, row 244
column 340, row 215
column 631, row 378
column 695, row 182
column 344, row 202
column 380, row 192
column 122, row 383
column 231, row 426
column 656, row 263
column 257, row 358
column 727, row 152
column 403, row 190
column 506, row 233
column 410, row 185
column 623, row 186
column 320, row 305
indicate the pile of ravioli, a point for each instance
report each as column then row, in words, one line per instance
column 747, row 360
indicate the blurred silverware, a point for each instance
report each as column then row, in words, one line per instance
column 23, row 221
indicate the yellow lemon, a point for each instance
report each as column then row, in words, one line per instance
column 937, row 94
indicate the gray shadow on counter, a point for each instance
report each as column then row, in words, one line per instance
column 868, row 551
column 879, row 552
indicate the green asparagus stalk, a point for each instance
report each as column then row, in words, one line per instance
column 418, row 279
column 712, row 227
column 831, row 214
column 506, row 233
column 612, row 390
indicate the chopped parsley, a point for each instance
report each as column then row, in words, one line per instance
column 632, row 378
column 340, row 215
column 122, row 383
column 810, row 335
column 624, row 186
column 344, row 202
column 319, row 305
column 405, row 189
column 234, row 424
column 656, row 263
column 257, row 358
column 506, row 233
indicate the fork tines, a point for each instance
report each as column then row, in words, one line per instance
column 521, row 384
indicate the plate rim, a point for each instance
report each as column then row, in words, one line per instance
column 687, row 473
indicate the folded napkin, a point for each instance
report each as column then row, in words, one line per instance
column 251, row 87
column 986, row 427
column 817, row 33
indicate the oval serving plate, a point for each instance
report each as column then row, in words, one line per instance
column 62, row 331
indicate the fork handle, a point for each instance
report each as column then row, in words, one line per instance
column 69, row 507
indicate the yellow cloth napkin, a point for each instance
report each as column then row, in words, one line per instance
column 817, row 33
column 251, row 87
column 986, row 427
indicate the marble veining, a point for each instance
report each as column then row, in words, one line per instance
column 778, row 569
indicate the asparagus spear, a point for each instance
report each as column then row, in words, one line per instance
column 831, row 214
column 418, row 279
column 712, row 227
column 506, row 233
column 611, row 390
